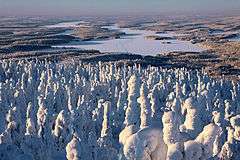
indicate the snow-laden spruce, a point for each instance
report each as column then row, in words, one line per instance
column 109, row 111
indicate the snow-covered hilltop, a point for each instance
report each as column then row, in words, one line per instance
column 81, row 111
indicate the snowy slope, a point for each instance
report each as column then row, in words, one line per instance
column 107, row 112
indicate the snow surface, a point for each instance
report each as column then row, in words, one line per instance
column 67, row 24
column 103, row 111
column 136, row 43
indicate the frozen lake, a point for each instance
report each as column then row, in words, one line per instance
column 134, row 42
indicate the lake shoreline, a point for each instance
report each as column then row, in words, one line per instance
column 130, row 41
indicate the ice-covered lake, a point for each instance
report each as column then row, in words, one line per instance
column 134, row 42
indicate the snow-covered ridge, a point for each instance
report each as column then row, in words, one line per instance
column 107, row 112
column 67, row 24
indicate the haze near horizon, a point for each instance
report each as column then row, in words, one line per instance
column 95, row 7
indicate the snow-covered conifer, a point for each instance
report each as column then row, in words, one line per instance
column 73, row 149
column 145, row 107
column 133, row 110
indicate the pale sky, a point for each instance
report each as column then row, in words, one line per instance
column 85, row 7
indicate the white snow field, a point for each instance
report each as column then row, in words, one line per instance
column 103, row 111
column 135, row 42
column 67, row 24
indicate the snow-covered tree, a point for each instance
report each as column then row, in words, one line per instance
column 144, row 102
column 73, row 149
column 115, row 110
